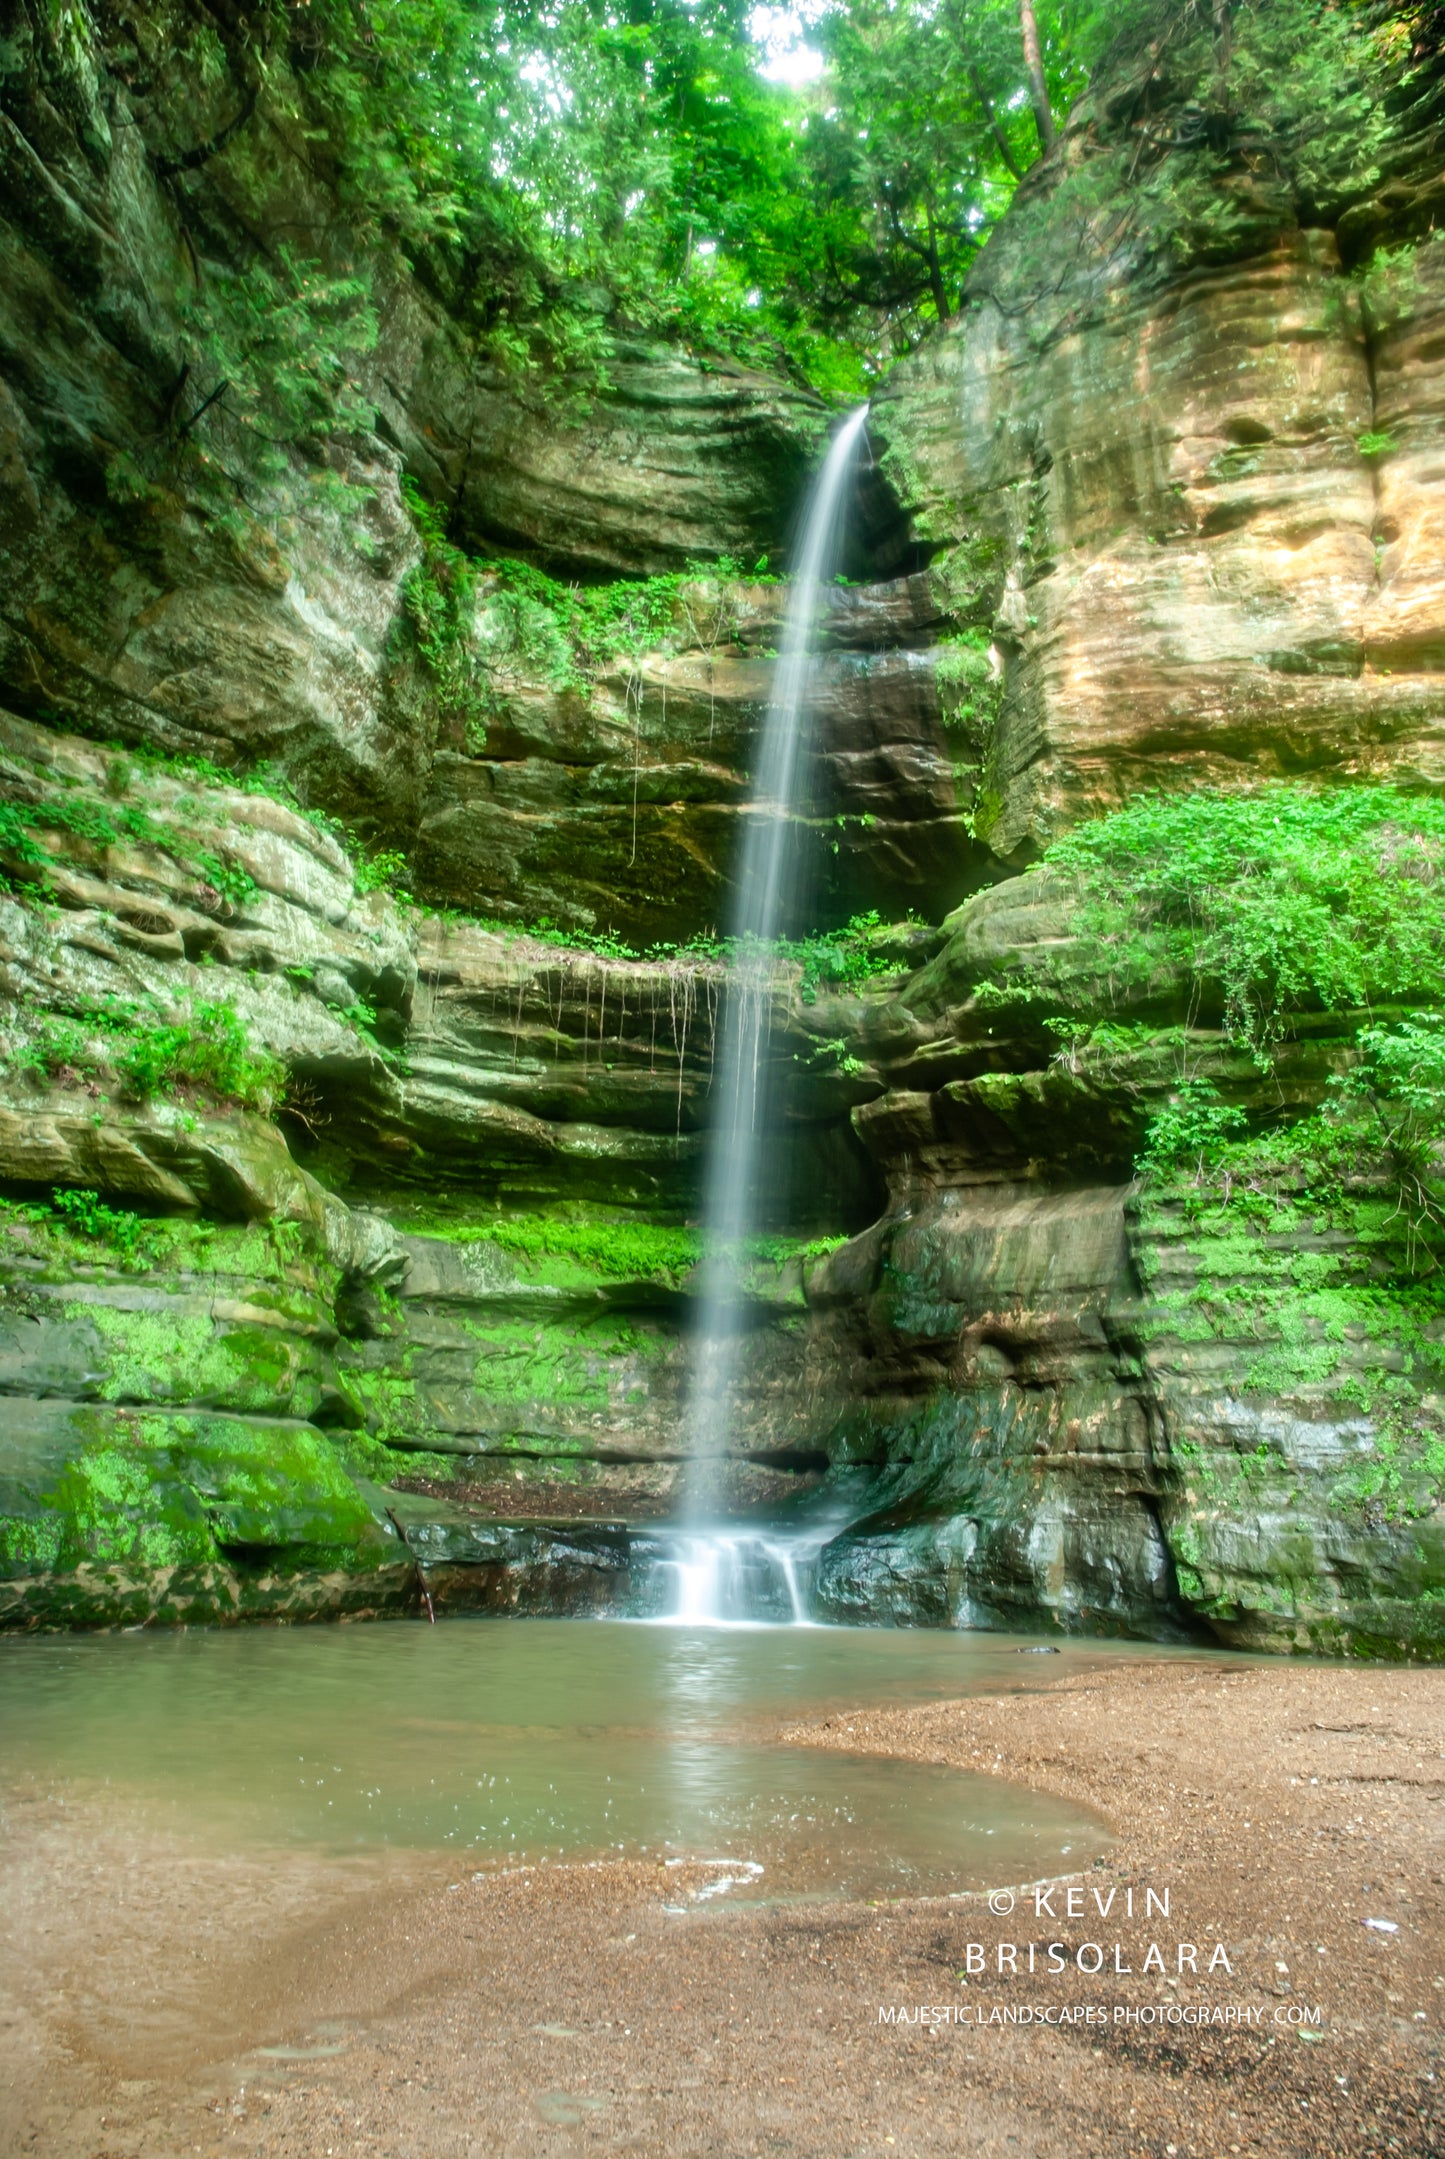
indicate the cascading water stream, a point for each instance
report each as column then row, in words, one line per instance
column 766, row 874
column 741, row 1577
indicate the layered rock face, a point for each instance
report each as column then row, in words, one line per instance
column 1125, row 1411
column 216, row 1360
column 138, row 610
column 133, row 609
column 1197, row 508
column 615, row 802
column 269, row 1359
column 1191, row 511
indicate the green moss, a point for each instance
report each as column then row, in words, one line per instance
column 388, row 1400
column 553, row 1364
column 158, row 1356
column 365, row 1455
column 280, row 1263
column 268, row 1485
column 99, row 1487
column 1346, row 1315
column 562, row 1251
column 619, row 1251
column 31, row 1545
column 124, row 1504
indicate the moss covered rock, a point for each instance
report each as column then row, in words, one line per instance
column 110, row 1516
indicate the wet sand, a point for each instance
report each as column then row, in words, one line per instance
column 157, row 2000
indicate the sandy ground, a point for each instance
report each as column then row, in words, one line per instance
column 159, row 2001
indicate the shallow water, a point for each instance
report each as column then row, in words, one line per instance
column 540, row 1740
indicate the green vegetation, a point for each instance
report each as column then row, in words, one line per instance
column 1269, row 904
column 557, row 170
column 840, row 960
column 809, row 191
column 79, row 1226
column 282, row 342
column 208, row 1052
column 134, row 1241
column 269, row 378
column 969, row 676
column 28, row 860
column 964, row 672
column 28, row 828
column 844, row 960
column 570, row 1364
column 1310, row 91
column 570, row 164
column 1381, row 1126
column 622, row 1251
column 262, row 779
column 480, row 625
column 1318, row 1243
column 1305, row 1266
column 166, row 1489
column 202, row 1048
column 1286, row 917
column 199, row 1046
column 384, row 872
column 830, row 1057
column 618, row 1251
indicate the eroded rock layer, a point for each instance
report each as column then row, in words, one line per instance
column 1196, row 507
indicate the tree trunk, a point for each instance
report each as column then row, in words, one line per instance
column 1038, row 88
column 1218, row 118
column 935, row 269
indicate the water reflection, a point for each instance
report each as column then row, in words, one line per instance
column 538, row 1740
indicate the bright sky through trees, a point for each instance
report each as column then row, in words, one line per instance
column 781, row 36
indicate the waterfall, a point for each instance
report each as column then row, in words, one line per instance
column 765, row 874
column 741, row 1577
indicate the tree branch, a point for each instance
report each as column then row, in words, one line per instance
column 991, row 120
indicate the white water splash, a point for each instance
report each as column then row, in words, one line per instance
column 744, row 1578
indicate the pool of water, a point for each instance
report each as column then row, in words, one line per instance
column 542, row 1740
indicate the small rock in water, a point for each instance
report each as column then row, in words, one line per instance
column 1381, row 1926
column 1039, row 1649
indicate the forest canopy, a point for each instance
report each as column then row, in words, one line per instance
column 805, row 182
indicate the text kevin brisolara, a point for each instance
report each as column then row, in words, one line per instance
column 1091, row 1958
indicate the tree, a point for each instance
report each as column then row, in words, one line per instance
column 1034, row 67
column 924, row 134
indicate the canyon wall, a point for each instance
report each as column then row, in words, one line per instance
column 394, row 1271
